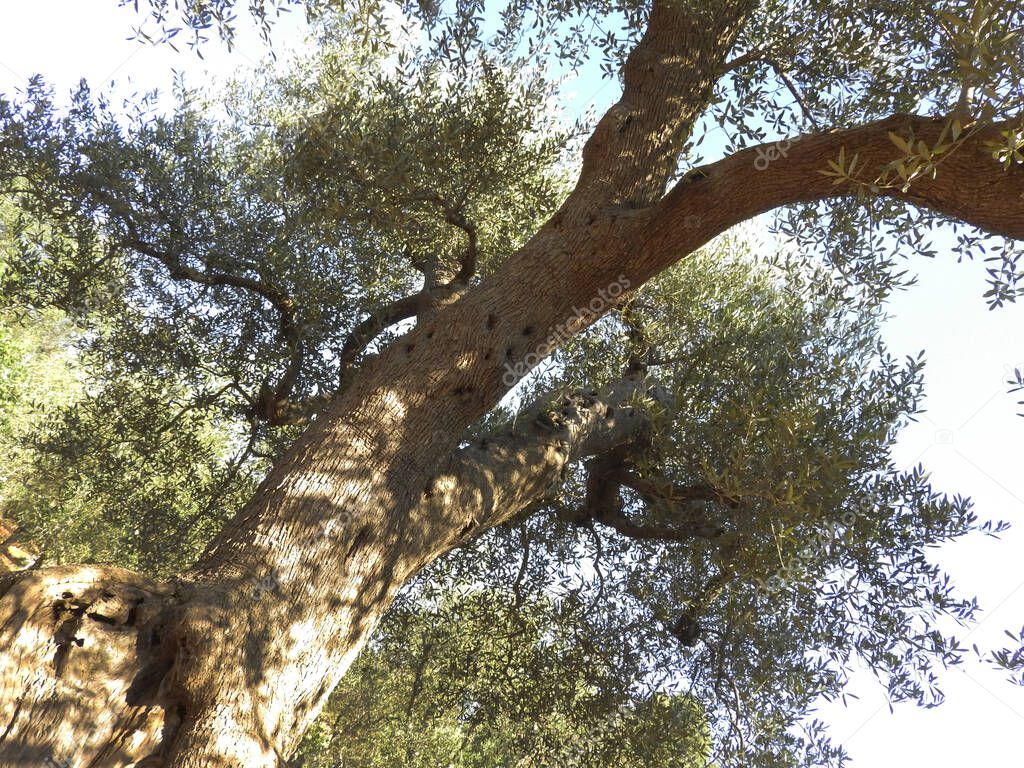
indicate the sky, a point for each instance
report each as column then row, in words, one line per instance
column 969, row 438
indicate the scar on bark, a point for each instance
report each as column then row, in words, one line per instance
column 67, row 612
column 467, row 529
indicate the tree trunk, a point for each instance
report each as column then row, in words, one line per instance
column 227, row 665
column 163, row 652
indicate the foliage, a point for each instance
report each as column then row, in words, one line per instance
column 120, row 473
column 223, row 270
column 38, row 376
column 478, row 678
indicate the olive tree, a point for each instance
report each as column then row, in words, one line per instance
column 355, row 266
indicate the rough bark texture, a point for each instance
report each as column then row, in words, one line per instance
column 227, row 666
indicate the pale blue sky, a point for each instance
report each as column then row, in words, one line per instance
column 969, row 439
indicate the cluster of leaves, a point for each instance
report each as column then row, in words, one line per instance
column 469, row 677
column 566, row 30
column 1011, row 659
column 127, row 475
column 822, row 64
column 110, row 471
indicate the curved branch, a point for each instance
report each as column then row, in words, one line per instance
column 373, row 325
column 795, row 92
column 969, row 185
column 622, row 525
column 419, row 303
column 608, row 473
column 454, row 215
column 750, row 57
column 271, row 400
column 668, row 492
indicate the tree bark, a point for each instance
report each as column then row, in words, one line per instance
column 229, row 664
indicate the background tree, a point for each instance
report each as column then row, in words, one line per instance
column 334, row 280
column 481, row 680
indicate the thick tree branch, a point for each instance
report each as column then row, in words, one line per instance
column 493, row 480
column 436, row 291
column 604, row 506
column 663, row 491
column 969, row 185
column 373, row 325
column 667, row 81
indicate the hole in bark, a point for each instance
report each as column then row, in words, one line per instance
column 491, row 321
column 528, row 330
column 102, row 619
column 463, row 390
column 430, row 333
column 60, row 660
column 487, row 355
column 509, row 353
column 358, row 541
column 610, row 413
column 133, row 612
column 409, row 348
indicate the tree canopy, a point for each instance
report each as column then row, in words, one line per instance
column 210, row 279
